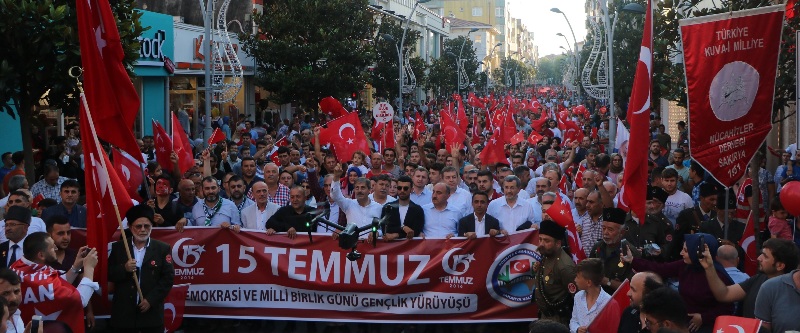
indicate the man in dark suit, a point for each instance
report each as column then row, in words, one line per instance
column 716, row 226
column 16, row 228
column 152, row 262
column 406, row 219
column 479, row 223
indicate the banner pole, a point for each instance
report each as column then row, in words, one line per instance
column 110, row 188
column 727, row 223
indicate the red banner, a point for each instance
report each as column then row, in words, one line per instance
column 252, row 275
column 731, row 61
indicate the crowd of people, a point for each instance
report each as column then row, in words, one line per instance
column 683, row 259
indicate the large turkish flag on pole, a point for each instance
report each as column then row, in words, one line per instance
column 109, row 90
column 731, row 61
column 634, row 185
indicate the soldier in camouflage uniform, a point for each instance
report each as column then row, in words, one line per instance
column 554, row 276
column 656, row 230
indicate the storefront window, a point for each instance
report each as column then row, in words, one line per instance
column 183, row 94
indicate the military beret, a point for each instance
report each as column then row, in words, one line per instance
column 615, row 215
column 655, row 192
column 552, row 229
column 139, row 211
column 18, row 213
column 707, row 189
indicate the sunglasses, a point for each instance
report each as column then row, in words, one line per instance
column 403, row 188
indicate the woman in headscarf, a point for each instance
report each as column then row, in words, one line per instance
column 348, row 183
column 700, row 302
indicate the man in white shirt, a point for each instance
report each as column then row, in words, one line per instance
column 677, row 200
column 420, row 194
column 514, row 214
column 441, row 220
column 460, row 199
column 360, row 210
column 380, row 193
column 256, row 216
column 11, row 290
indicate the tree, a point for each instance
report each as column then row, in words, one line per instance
column 506, row 76
column 40, row 39
column 550, row 69
column 442, row 75
column 309, row 49
column 385, row 75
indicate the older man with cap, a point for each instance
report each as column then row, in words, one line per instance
column 554, row 277
column 18, row 219
column 654, row 235
column 152, row 263
column 608, row 250
column 689, row 220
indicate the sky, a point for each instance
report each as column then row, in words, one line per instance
column 544, row 24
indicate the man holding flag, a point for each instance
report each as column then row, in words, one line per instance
column 554, row 277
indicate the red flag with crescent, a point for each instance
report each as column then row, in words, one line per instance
column 130, row 172
column 635, row 177
column 346, row 135
column 494, row 152
column 474, row 101
column 732, row 324
column 332, row 107
column 452, row 134
column 174, row 306
column 419, row 127
column 561, row 213
column 608, row 318
column 748, row 244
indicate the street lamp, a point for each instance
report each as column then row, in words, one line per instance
column 458, row 62
column 574, row 40
column 630, row 8
column 400, row 56
column 489, row 66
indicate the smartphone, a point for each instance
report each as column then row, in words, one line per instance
column 85, row 252
column 624, row 245
column 701, row 248
column 36, row 322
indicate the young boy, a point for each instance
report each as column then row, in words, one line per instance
column 591, row 299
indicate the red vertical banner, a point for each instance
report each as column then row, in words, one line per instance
column 731, row 62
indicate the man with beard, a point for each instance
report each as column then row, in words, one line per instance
column 513, row 212
column 778, row 257
column 256, row 216
column 479, row 224
column 11, row 291
column 236, row 187
column 656, row 228
column 69, row 207
column 291, row 219
column 152, row 263
column 554, row 277
column 361, row 210
column 641, row 284
column 214, row 211
column 249, row 174
column 185, row 202
column 406, row 219
column 608, row 250
column 484, row 182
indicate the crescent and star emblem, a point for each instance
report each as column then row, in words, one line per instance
column 348, row 125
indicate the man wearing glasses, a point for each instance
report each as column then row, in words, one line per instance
column 19, row 198
column 16, row 228
column 152, row 263
column 406, row 218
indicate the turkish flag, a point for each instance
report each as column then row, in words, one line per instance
column 106, row 197
column 282, row 142
column 790, row 9
column 332, row 107
column 579, row 175
column 108, row 89
column 732, row 324
column 216, row 136
column 376, row 131
column 748, row 244
column 561, row 213
column 181, row 146
column 635, row 176
column 608, row 318
column 476, row 130
column 130, row 171
column 163, row 146
column 537, row 124
column 345, row 143
column 520, row 266
column 474, row 101
column 419, row 127
column 517, row 138
column 174, row 306
column 388, row 136
column 534, row 138
column 731, row 62
column 48, row 295
column 494, row 152
column 461, row 116
column 452, row 134
column 36, row 200
column 509, row 128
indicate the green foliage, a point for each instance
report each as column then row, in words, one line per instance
column 40, row 44
column 549, row 69
column 296, row 34
column 504, row 75
column 442, row 77
column 385, row 75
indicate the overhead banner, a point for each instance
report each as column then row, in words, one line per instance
column 252, row 275
column 731, row 61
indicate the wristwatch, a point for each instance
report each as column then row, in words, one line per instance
column 77, row 270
